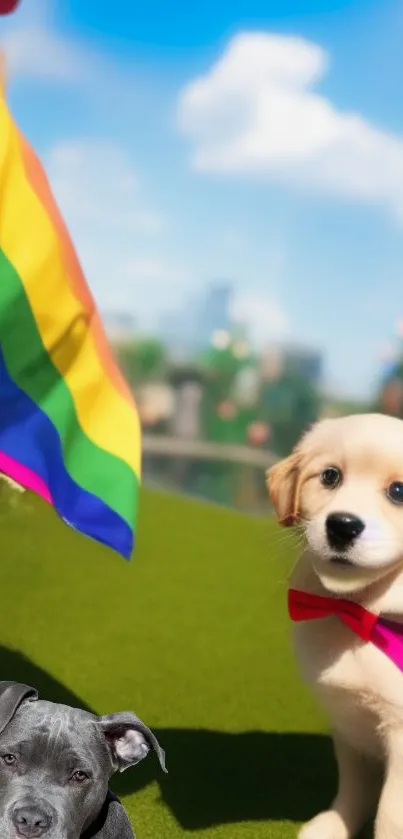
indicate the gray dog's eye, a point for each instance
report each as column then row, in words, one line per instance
column 80, row 776
column 9, row 759
column 395, row 492
column 331, row 477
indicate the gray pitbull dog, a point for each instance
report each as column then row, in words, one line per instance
column 55, row 766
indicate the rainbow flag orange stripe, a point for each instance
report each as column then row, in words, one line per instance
column 69, row 428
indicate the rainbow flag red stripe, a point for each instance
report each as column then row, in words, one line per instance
column 69, row 428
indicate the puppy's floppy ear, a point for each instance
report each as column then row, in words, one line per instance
column 12, row 695
column 282, row 482
column 129, row 740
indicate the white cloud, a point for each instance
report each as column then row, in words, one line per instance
column 265, row 318
column 256, row 113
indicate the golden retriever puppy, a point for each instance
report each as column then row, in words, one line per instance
column 343, row 486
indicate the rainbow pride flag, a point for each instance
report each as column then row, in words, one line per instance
column 69, row 428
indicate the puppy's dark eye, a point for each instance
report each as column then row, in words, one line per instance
column 395, row 492
column 331, row 477
column 79, row 776
column 9, row 759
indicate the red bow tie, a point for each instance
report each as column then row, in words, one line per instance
column 304, row 607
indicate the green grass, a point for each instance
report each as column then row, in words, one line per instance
column 193, row 636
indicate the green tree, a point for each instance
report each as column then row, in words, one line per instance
column 289, row 405
column 221, row 419
column 142, row 360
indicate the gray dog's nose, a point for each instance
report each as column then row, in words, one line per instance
column 30, row 821
column 342, row 529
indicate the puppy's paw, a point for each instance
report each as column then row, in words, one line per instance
column 327, row 825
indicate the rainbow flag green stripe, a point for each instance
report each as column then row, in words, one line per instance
column 69, row 428
column 93, row 468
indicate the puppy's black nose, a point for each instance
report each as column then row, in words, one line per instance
column 342, row 529
column 30, row 821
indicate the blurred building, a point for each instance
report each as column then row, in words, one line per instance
column 213, row 314
column 246, row 385
column 191, row 328
column 186, row 419
column 188, row 388
column 304, row 362
column 293, row 360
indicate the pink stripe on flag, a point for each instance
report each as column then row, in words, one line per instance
column 24, row 476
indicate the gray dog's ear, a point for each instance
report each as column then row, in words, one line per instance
column 12, row 694
column 129, row 740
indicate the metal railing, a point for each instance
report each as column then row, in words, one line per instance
column 160, row 445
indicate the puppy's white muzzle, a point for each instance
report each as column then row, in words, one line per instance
column 369, row 557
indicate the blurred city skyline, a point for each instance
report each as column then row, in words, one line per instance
column 242, row 146
column 211, row 322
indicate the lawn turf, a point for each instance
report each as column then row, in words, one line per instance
column 193, row 636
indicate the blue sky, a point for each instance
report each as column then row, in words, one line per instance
column 260, row 142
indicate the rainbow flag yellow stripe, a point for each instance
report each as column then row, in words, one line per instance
column 69, row 428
